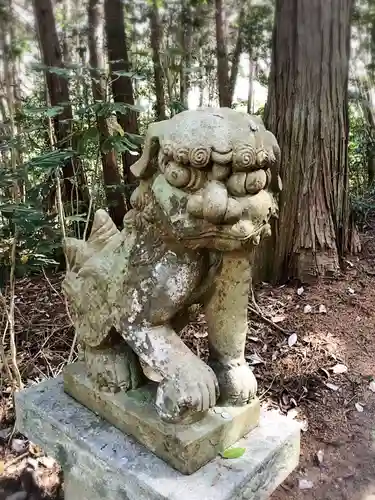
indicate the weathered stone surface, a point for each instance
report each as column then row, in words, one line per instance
column 185, row 446
column 100, row 462
column 208, row 180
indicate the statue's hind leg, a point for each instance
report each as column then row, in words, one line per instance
column 113, row 366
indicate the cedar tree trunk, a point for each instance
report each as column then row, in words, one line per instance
column 307, row 111
column 111, row 176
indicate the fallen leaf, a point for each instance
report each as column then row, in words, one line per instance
column 255, row 359
column 349, row 263
column 24, row 259
column 278, row 318
column 254, row 339
column 305, row 484
column 304, row 425
column 359, row 407
column 307, row 309
column 233, row 453
column 372, row 386
column 325, row 372
column 333, row 387
column 339, row 368
column 300, row 290
column 320, row 456
column 322, row 309
column 285, row 399
column 200, row 335
column 351, row 290
column 292, row 339
column 226, row 416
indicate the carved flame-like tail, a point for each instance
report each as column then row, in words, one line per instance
column 78, row 251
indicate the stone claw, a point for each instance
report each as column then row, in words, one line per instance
column 193, row 388
column 237, row 383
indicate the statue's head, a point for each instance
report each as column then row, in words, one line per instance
column 213, row 175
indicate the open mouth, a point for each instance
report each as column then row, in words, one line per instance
column 236, row 232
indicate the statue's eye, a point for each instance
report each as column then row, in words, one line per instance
column 240, row 183
column 236, row 184
column 255, row 181
column 177, row 175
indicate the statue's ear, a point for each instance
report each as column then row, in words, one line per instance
column 145, row 166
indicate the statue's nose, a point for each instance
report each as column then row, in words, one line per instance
column 214, row 204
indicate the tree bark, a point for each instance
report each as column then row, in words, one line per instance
column 111, row 176
column 75, row 187
column 186, row 47
column 250, row 103
column 237, row 53
column 122, row 87
column 223, row 80
column 307, row 111
column 369, row 112
column 226, row 79
column 156, row 38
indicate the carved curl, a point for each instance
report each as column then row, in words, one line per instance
column 199, row 156
column 244, row 157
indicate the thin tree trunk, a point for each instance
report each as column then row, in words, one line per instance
column 307, row 111
column 369, row 112
column 122, row 87
column 367, row 108
column 237, row 53
column 370, row 169
column 223, row 80
column 227, row 79
column 186, row 47
column 58, row 91
column 156, row 38
column 65, row 42
column 111, row 176
column 250, row 103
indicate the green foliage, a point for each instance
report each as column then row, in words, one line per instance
column 37, row 231
column 361, row 146
column 257, row 30
column 176, row 107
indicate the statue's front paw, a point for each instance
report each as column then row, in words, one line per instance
column 237, row 383
column 192, row 389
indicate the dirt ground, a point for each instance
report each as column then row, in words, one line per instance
column 298, row 338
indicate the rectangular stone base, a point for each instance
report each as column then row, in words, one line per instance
column 185, row 447
column 102, row 463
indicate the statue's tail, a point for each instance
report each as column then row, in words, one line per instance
column 77, row 252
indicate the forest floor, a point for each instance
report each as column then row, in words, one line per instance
column 313, row 352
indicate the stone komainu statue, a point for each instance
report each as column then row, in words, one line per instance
column 205, row 198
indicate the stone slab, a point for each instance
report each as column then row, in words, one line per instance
column 100, row 462
column 186, row 447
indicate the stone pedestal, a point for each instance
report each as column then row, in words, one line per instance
column 102, row 463
column 186, row 447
